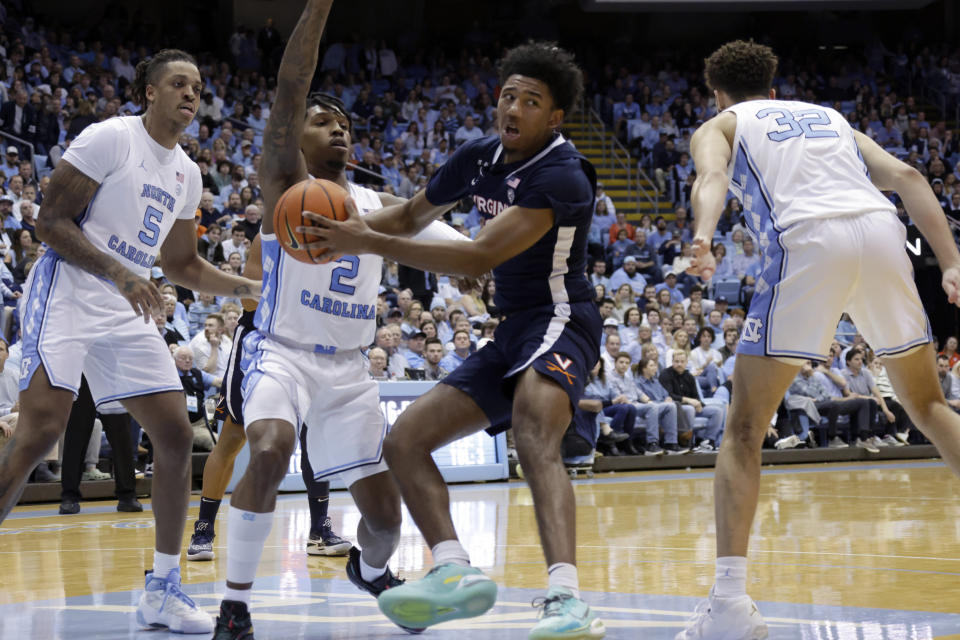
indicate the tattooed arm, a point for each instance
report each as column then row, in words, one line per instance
column 182, row 265
column 282, row 163
column 69, row 193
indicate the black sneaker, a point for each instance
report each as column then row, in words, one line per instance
column 129, row 506
column 69, row 507
column 326, row 542
column 674, row 449
column 378, row 586
column 652, row 449
column 233, row 623
column 201, row 542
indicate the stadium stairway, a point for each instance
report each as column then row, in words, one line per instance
column 591, row 142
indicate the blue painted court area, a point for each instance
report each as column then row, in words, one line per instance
column 291, row 608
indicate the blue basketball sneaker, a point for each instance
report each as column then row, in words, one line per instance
column 448, row 592
column 565, row 617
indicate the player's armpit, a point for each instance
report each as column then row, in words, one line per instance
column 405, row 217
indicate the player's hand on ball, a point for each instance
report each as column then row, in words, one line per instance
column 345, row 237
column 703, row 264
column 951, row 284
column 142, row 295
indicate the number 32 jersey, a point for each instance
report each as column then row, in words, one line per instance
column 144, row 188
column 794, row 161
column 321, row 307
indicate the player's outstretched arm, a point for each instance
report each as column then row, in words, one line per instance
column 183, row 266
column 69, row 193
column 401, row 217
column 282, row 162
column 890, row 174
column 513, row 231
column 710, row 147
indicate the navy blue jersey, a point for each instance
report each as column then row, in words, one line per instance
column 559, row 178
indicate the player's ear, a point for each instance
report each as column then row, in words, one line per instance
column 556, row 119
column 149, row 92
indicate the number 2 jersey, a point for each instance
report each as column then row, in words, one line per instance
column 321, row 307
column 794, row 161
column 558, row 177
column 144, row 188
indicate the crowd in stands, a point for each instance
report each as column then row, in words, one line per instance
column 663, row 383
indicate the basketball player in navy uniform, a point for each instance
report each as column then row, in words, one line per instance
column 536, row 192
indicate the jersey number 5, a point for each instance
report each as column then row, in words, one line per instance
column 349, row 271
column 798, row 123
column 151, row 220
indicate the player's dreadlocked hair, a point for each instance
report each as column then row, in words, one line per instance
column 148, row 70
column 549, row 64
column 741, row 69
column 328, row 102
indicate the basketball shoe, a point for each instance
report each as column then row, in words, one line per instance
column 163, row 604
column 725, row 619
column 201, row 542
column 563, row 616
column 448, row 592
column 327, row 543
column 378, row 586
column 234, row 622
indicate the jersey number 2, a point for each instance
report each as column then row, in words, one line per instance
column 349, row 271
column 151, row 220
column 798, row 123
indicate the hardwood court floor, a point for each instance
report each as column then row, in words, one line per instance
column 842, row 551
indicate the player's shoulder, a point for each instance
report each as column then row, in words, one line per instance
column 480, row 147
column 565, row 166
column 110, row 129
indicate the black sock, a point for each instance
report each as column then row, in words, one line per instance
column 208, row 510
column 318, row 497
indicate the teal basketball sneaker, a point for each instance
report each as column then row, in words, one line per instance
column 448, row 592
column 565, row 617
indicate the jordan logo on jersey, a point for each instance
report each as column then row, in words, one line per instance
column 751, row 330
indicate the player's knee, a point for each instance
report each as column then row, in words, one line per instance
column 386, row 520
column 744, row 432
column 395, row 449
column 270, row 455
column 533, row 448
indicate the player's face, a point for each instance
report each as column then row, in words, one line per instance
column 177, row 92
column 325, row 141
column 526, row 114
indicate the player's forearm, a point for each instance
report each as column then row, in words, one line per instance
column 462, row 258
column 707, row 196
column 926, row 213
column 66, row 238
column 201, row 276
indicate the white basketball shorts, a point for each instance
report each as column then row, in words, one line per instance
column 74, row 323
column 332, row 394
column 815, row 270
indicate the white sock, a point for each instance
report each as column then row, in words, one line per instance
column 163, row 563
column 369, row 573
column 237, row 595
column 731, row 579
column 246, row 533
column 564, row 574
column 450, row 551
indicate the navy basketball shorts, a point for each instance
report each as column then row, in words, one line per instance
column 231, row 395
column 560, row 341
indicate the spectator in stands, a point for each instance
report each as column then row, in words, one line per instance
column 250, row 223
column 414, row 351
column 19, row 118
column 170, row 335
column 378, row 364
column 861, row 384
column 197, row 385
column 460, row 352
column 730, row 339
column 235, row 243
column 729, row 216
column 950, row 351
column 903, row 425
column 652, row 392
column 704, row 362
column 211, row 350
column 741, row 262
column 724, row 267
column 630, row 328
column 209, row 245
column 621, row 223
column 682, row 387
column 623, row 299
column 469, row 131
column 645, row 256
column 670, row 284
column 661, row 235
column 432, row 357
column 388, row 339
column 628, row 274
column 827, row 389
column 948, row 383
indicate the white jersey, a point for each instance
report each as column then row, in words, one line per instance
column 795, row 161
column 321, row 307
column 144, row 188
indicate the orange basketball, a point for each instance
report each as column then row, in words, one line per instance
column 318, row 196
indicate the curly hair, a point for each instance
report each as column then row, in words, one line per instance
column 741, row 68
column 331, row 103
column 548, row 63
column 149, row 68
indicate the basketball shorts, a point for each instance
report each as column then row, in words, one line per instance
column 333, row 394
column 560, row 341
column 815, row 270
column 231, row 389
column 74, row 323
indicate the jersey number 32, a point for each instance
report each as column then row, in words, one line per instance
column 798, row 123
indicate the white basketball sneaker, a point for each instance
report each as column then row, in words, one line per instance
column 725, row 619
column 164, row 605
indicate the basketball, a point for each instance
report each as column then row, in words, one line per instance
column 318, row 196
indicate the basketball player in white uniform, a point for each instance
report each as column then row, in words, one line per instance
column 830, row 242
column 123, row 193
column 303, row 363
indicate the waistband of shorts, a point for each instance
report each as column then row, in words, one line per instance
column 322, row 349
